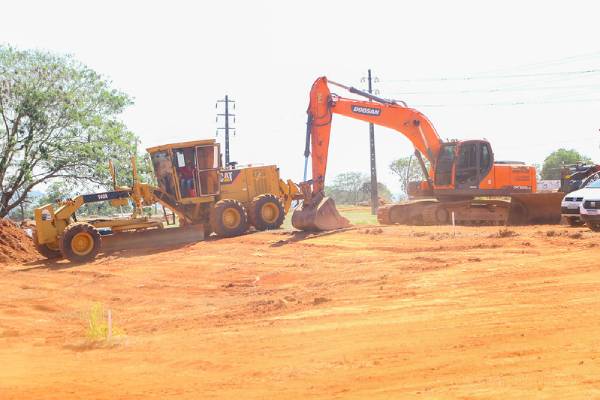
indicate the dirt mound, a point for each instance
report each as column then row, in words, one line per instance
column 15, row 245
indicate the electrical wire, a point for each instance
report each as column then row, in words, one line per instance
column 508, row 103
column 579, row 84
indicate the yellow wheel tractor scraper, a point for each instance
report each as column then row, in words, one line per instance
column 202, row 194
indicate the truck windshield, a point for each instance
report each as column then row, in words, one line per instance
column 595, row 184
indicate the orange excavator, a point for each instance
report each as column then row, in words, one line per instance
column 463, row 181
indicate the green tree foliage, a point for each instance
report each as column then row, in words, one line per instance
column 56, row 191
column 553, row 163
column 58, row 119
column 348, row 184
column 354, row 188
column 62, row 190
column 383, row 191
column 407, row 169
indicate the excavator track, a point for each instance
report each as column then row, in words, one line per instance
column 433, row 212
column 521, row 209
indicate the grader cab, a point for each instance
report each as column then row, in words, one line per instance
column 200, row 194
column 227, row 200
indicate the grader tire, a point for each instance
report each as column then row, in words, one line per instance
column 80, row 242
column 228, row 218
column 47, row 250
column 266, row 212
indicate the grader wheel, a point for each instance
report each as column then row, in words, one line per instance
column 228, row 218
column 80, row 242
column 266, row 212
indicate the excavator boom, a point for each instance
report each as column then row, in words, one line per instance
column 459, row 172
column 412, row 123
column 318, row 212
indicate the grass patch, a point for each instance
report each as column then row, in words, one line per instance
column 355, row 214
column 504, row 233
column 98, row 325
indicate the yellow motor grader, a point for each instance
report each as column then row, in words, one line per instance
column 202, row 194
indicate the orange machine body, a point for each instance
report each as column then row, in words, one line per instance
column 458, row 169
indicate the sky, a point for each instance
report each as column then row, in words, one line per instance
column 522, row 74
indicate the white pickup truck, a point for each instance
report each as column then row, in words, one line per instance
column 571, row 206
column 589, row 209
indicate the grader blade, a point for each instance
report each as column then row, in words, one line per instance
column 318, row 215
column 152, row 239
column 535, row 208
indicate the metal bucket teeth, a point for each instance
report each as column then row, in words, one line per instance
column 323, row 216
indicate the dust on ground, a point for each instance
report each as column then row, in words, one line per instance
column 375, row 312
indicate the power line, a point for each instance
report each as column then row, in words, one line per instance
column 548, row 63
column 498, row 89
column 539, row 65
column 510, row 103
column 227, row 123
column 512, row 76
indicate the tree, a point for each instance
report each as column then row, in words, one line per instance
column 553, row 163
column 56, row 191
column 407, row 169
column 58, row 119
column 23, row 211
column 354, row 188
column 382, row 191
column 350, row 184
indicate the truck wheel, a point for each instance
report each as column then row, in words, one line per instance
column 266, row 212
column 594, row 226
column 574, row 221
column 80, row 242
column 228, row 218
column 48, row 250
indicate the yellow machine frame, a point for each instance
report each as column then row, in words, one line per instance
column 241, row 185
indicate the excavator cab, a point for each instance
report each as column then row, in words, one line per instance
column 473, row 162
column 463, row 165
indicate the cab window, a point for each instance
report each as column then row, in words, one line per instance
column 443, row 173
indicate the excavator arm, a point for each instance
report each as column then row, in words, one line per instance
column 323, row 104
column 318, row 212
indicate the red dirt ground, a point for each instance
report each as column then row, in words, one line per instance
column 377, row 313
column 15, row 245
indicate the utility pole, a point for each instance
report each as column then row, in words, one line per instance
column 374, row 194
column 226, row 128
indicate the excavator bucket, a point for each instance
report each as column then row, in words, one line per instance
column 535, row 208
column 320, row 214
